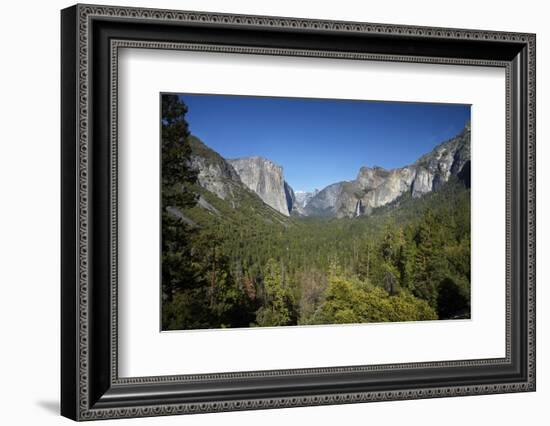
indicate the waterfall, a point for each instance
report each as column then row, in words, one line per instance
column 358, row 208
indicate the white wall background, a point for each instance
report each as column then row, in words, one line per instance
column 29, row 213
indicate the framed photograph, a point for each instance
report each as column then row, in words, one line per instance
column 263, row 212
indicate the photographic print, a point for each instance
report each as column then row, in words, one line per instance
column 291, row 211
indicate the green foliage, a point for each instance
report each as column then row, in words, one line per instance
column 277, row 298
column 349, row 300
column 229, row 304
column 185, row 310
column 178, row 273
column 177, row 175
column 311, row 286
column 245, row 264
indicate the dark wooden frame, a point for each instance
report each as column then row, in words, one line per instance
column 90, row 386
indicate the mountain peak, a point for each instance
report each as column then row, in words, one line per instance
column 377, row 186
column 373, row 187
column 258, row 159
column 265, row 178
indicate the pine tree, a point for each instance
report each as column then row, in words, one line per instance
column 178, row 271
column 228, row 303
column 429, row 263
column 275, row 310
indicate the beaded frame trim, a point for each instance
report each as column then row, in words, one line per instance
column 88, row 12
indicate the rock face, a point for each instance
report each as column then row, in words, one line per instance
column 446, row 159
column 265, row 178
column 228, row 178
column 376, row 186
column 214, row 173
column 325, row 202
column 290, row 197
column 373, row 187
column 303, row 197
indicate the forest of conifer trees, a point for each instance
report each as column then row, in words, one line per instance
column 408, row 261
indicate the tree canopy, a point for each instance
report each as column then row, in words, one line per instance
column 247, row 265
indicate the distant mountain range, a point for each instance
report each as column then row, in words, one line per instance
column 373, row 187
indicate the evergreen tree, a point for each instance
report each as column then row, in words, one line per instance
column 405, row 263
column 349, row 300
column 429, row 262
column 228, row 304
column 245, row 263
column 178, row 271
column 275, row 309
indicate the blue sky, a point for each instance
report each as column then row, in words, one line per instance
column 320, row 141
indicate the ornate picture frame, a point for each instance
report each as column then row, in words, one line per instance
column 91, row 37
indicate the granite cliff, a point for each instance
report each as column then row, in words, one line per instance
column 376, row 186
column 265, row 178
column 215, row 174
column 373, row 187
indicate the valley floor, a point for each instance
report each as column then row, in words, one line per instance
column 251, row 266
